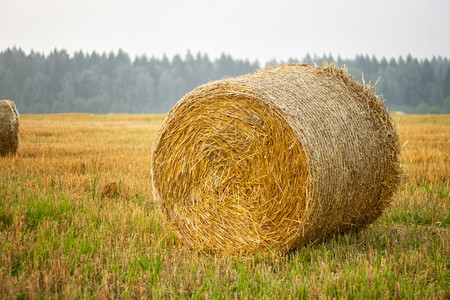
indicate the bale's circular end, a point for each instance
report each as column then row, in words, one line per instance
column 232, row 174
column 274, row 159
column 9, row 128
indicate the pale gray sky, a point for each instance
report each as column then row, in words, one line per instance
column 255, row 29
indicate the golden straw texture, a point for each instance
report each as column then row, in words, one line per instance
column 9, row 128
column 274, row 159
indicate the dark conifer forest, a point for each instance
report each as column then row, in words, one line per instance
column 114, row 82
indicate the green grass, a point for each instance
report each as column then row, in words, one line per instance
column 423, row 205
column 404, row 254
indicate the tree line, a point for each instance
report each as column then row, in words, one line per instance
column 113, row 82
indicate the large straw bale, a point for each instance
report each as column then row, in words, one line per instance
column 274, row 159
column 9, row 128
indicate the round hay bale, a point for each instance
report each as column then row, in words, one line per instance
column 9, row 128
column 274, row 159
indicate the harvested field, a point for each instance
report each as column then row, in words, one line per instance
column 63, row 236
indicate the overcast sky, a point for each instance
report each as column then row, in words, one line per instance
column 255, row 29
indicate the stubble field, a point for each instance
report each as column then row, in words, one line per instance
column 77, row 220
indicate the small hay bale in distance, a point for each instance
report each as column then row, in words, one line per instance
column 9, row 128
column 274, row 159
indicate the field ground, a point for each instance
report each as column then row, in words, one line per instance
column 77, row 220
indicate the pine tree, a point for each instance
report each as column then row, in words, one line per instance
column 447, row 83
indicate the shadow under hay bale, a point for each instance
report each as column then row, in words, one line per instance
column 9, row 128
column 274, row 159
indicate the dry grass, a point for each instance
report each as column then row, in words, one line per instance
column 77, row 220
column 425, row 153
column 275, row 159
column 73, row 146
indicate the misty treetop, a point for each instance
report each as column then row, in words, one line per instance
column 113, row 82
